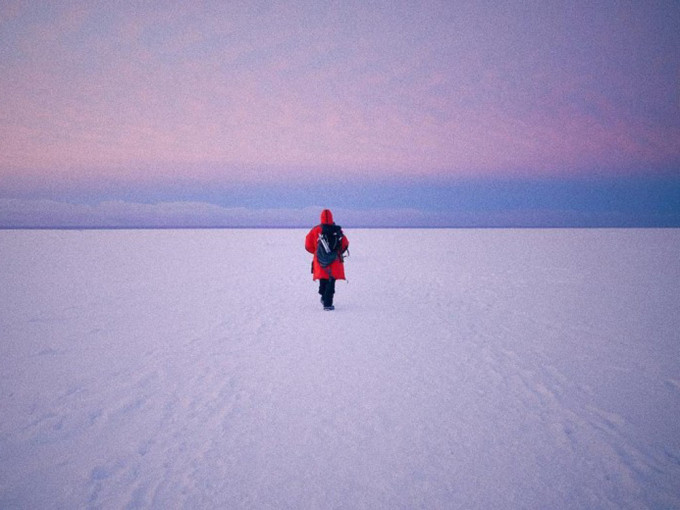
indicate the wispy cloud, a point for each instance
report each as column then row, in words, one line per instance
column 49, row 213
column 17, row 213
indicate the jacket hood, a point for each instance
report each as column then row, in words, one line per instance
column 326, row 217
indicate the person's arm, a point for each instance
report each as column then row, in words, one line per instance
column 310, row 241
column 344, row 244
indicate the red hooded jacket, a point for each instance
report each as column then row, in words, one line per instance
column 337, row 268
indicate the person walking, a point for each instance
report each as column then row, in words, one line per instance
column 327, row 243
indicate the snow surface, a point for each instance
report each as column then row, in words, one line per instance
column 461, row 369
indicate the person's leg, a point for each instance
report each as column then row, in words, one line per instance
column 329, row 291
column 322, row 287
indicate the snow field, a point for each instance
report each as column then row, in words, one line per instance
column 461, row 369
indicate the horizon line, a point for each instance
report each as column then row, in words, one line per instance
column 357, row 227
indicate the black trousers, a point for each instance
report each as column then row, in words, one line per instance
column 327, row 290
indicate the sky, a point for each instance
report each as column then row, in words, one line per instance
column 247, row 113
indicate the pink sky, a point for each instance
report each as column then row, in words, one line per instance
column 541, row 87
column 399, row 105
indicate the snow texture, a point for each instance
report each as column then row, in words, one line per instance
column 460, row 369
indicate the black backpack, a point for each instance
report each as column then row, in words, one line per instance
column 329, row 244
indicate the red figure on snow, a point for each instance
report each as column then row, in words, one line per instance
column 327, row 243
